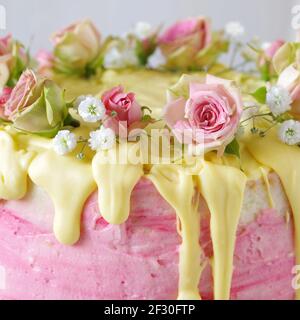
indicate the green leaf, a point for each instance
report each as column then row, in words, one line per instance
column 233, row 148
column 260, row 95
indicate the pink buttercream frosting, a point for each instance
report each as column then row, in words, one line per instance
column 131, row 261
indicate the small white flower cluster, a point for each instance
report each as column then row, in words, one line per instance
column 278, row 100
column 143, row 30
column 234, row 29
column 64, row 142
column 102, row 139
column 118, row 59
column 90, row 108
column 289, row 132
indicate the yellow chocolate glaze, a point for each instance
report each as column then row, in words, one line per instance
column 177, row 187
column 13, row 168
column 265, row 176
column 69, row 182
column 116, row 182
column 223, row 189
column 285, row 161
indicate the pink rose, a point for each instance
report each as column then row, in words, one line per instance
column 5, row 45
column 45, row 61
column 37, row 105
column 13, row 61
column 4, row 97
column 5, row 59
column 184, row 40
column 271, row 50
column 265, row 59
column 208, row 116
column 123, row 111
column 290, row 80
column 21, row 94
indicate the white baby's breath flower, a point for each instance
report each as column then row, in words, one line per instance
column 79, row 100
column 234, row 29
column 64, row 142
column 278, row 100
column 117, row 59
column 289, row 132
column 113, row 59
column 91, row 109
column 156, row 60
column 102, row 139
column 143, row 30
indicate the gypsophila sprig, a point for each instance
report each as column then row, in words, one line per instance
column 80, row 99
column 143, row 30
column 64, row 142
column 234, row 29
column 117, row 59
column 289, row 132
column 102, row 139
column 278, row 100
column 91, row 109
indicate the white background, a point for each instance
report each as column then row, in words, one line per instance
column 32, row 21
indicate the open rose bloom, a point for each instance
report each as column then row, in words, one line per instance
column 36, row 105
column 76, row 47
column 190, row 43
column 287, row 64
column 204, row 113
column 123, row 112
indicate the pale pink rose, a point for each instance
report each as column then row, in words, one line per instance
column 209, row 117
column 77, row 45
column 193, row 32
column 5, row 45
column 290, row 80
column 265, row 59
column 21, row 94
column 123, row 111
column 45, row 61
column 271, row 50
column 4, row 97
column 5, row 59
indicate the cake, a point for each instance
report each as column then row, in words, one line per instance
column 111, row 191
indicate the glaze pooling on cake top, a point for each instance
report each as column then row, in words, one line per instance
column 29, row 156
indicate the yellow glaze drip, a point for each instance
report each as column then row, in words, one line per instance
column 223, row 189
column 264, row 173
column 285, row 161
column 177, row 187
column 116, row 182
column 13, row 168
column 69, row 182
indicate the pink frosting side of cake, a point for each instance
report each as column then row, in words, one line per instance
column 138, row 260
